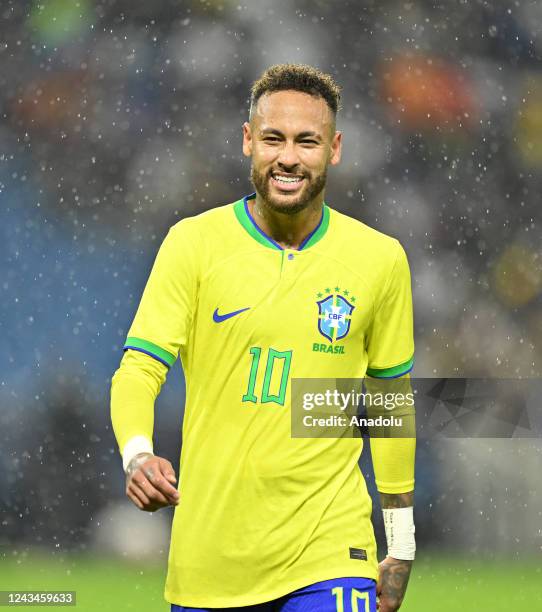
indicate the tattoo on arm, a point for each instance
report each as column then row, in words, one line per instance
column 397, row 500
column 394, row 575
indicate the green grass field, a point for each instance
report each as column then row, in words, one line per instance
column 443, row 585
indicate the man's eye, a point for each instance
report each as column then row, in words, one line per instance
column 309, row 142
column 271, row 139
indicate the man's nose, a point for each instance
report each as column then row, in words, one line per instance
column 288, row 156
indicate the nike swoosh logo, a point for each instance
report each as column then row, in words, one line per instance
column 218, row 318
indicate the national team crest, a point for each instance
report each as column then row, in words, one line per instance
column 334, row 315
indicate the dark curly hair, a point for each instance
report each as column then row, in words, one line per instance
column 297, row 77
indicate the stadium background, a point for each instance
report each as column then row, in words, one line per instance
column 119, row 118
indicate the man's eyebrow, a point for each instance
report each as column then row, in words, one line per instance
column 271, row 131
column 308, row 135
column 300, row 136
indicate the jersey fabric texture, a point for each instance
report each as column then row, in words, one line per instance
column 262, row 514
column 337, row 595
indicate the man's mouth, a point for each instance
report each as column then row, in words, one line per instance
column 286, row 182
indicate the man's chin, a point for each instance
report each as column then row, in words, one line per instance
column 286, row 204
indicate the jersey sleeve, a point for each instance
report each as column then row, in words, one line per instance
column 393, row 463
column 134, row 389
column 163, row 319
column 390, row 342
column 393, row 448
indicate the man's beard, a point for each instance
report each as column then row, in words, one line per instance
column 314, row 188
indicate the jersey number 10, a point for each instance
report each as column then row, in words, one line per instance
column 271, row 377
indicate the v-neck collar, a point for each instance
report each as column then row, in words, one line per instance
column 244, row 217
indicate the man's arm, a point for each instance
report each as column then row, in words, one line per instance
column 159, row 331
column 394, row 573
column 134, row 388
column 390, row 352
column 393, row 453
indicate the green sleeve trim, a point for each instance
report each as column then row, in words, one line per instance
column 394, row 372
column 151, row 349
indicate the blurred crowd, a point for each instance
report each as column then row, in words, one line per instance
column 120, row 118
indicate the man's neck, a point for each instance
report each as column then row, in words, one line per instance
column 289, row 231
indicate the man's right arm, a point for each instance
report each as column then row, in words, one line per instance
column 158, row 333
column 134, row 388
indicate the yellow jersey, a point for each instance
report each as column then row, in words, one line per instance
column 261, row 513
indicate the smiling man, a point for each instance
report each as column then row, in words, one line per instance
column 251, row 295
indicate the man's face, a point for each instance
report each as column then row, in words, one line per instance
column 291, row 138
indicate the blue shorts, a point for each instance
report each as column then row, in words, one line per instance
column 336, row 595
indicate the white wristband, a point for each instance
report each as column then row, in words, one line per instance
column 399, row 526
column 134, row 446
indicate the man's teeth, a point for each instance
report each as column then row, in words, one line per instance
column 288, row 179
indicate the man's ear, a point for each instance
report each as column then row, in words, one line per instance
column 336, row 148
column 247, row 139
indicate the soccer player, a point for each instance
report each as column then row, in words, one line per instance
column 250, row 295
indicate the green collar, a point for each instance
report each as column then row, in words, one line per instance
column 247, row 221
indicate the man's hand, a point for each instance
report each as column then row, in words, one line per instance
column 392, row 583
column 149, row 482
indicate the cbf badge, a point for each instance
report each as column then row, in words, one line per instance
column 334, row 315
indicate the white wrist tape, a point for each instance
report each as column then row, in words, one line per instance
column 399, row 526
column 134, row 446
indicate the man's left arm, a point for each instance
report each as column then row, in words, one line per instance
column 393, row 463
column 394, row 570
column 390, row 349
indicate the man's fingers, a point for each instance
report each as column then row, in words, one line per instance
column 137, row 493
column 169, row 474
column 150, row 483
column 134, row 499
column 152, row 493
column 167, row 470
column 160, row 480
column 166, row 488
column 142, row 501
